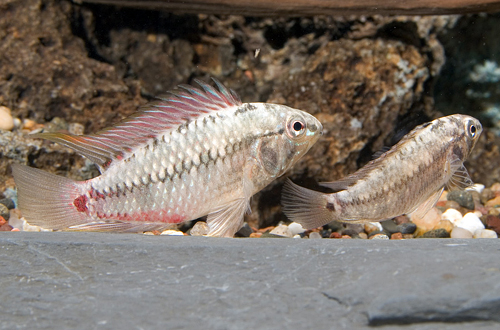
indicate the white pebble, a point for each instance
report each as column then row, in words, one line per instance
column 6, row 120
column 171, row 232
column 296, row 236
column 315, row 235
column 458, row 232
column 296, row 228
column 471, row 222
column 377, row 224
column 477, row 187
column 451, row 215
column 282, row 230
column 485, row 233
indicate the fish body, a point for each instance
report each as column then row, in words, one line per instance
column 198, row 152
column 407, row 179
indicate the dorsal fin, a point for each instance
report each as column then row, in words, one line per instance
column 185, row 103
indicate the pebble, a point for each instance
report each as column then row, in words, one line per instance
column 325, row 233
column 485, row 233
column 493, row 223
column 4, row 212
column 346, row 236
column 451, row 215
column 6, row 227
column 397, row 236
column 296, row 228
column 495, row 187
column 336, row 234
column 401, row 219
column 407, row 228
column 389, row 226
column 76, row 128
column 470, row 222
column 372, row 226
column 486, row 195
column 282, row 230
column 495, row 202
column 452, row 205
column 379, row 236
column 363, row 235
column 2, row 221
column 445, row 224
column 428, row 222
column 477, row 187
column 315, row 235
column 436, row 233
column 6, row 120
column 8, row 202
column 458, row 232
column 170, row 232
column 199, row 229
column 255, row 235
column 245, row 230
column 462, row 197
column 297, row 236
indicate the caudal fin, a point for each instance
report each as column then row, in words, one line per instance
column 47, row 200
column 305, row 206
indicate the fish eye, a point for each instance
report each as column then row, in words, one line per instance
column 472, row 130
column 296, row 127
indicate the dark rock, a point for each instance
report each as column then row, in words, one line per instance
column 4, row 212
column 9, row 203
column 436, row 233
column 462, row 197
column 401, row 219
column 407, row 228
column 335, row 226
column 244, row 231
column 325, row 233
column 390, row 226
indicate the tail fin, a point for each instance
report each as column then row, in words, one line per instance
column 47, row 200
column 307, row 207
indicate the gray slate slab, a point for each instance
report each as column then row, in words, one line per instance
column 121, row 281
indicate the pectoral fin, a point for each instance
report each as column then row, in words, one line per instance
column 460, row 178
column 423, row 208
column 227, row 220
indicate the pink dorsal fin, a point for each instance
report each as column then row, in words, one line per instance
column 185, row 103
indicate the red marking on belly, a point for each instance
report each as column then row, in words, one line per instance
column 149, row 216
column 81, row 203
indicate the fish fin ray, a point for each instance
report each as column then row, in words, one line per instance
column 46, row 200
column 228, row 219
column 168, row 112
column 351, row 179
column 425, row 207
column 305, row 206
column 460, row 178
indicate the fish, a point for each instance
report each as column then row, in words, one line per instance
column 196, row 152
column 407, row 179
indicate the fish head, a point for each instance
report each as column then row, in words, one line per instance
column 469, row 131
column 294, row 132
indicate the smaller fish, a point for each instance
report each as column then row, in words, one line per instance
column 407, row 179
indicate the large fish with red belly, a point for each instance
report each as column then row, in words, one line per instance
column 197, row 152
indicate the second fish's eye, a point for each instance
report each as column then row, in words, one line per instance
column 472, row 130
column 296, row 127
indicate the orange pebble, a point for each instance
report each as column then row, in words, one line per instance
column 397, row 236
column 2, row 221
